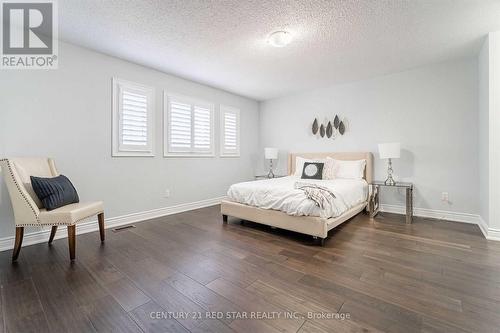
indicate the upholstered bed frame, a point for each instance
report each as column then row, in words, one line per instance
column 309, row 225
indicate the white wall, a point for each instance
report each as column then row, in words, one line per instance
column 431, row 110
column 484, row 185
column 66, row 114
column 489, row 143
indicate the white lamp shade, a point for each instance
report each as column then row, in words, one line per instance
column 271, row 153
column 389, row 150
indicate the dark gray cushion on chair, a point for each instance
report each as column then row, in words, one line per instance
column 54, row 192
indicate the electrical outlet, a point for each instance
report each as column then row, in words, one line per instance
column 167, row 193
column 445, row 197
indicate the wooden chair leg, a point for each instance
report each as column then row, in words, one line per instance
column 18, row 243
column 100, row 217
column 71, row 241
column 52, row 233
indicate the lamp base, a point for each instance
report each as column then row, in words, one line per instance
column 271, row 173
column 389, row 181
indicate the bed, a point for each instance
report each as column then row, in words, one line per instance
column 242, row 203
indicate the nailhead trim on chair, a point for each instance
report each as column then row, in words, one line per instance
column 22, row 194
column 56, row 223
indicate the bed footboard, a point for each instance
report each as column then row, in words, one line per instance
column 309, row 225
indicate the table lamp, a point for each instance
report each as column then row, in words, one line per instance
column 271, row 154
column 389, row 151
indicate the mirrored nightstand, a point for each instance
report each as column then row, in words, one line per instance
column 373, row 205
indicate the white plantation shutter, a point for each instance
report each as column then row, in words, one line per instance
column 230, row 131
column 202, row 129
column 188, row 127
column 230, row 140
column 132, row 119
column 180, row 126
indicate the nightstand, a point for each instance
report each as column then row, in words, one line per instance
column 373, row 204
column 266, row 177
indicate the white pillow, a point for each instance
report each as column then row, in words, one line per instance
column 349, row 169
column 327, row 167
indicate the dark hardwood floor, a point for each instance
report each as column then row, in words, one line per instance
column 386, row 276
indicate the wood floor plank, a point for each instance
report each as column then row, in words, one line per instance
column 337, row 326
column 431, row 325
column 359, row 290
column 82, row 285
column 103, row 271
column 23, row 310
column 126, row 294
column 183, row 309
column 107, row 315
column 325, row 298
column 212, row 326
column 3, row 326
column 252, row 326
column 203, row 296
column 150, row 317
column 251, row 303
column 308, row 309
column 11, row 272
column 311, row 327
column 61, row 307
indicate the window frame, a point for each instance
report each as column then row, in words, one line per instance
column 119, row 149
column 229, row 109
column 192, row 101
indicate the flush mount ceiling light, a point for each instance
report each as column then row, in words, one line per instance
column 279, row 38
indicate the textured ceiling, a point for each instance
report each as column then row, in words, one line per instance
column 223, row 43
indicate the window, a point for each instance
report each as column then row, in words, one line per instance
column 229, row 131
column 188, row 127
column 133, row 119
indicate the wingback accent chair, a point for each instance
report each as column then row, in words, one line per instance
column 28, row 210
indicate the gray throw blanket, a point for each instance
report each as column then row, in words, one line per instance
column 319, row 194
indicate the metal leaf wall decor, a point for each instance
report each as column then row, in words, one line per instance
column 331, row 130
column 315, row 126
column 322, row 130
column 336, row 122
column 341, row 128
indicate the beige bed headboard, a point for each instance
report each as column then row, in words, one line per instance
column 338, row 156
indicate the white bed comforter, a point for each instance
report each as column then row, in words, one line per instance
column 280, row 194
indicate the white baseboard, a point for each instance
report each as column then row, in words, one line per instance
column 483, row 226
column 488, row 233
column 432, row 213
column 493, row 234
column 7, row 243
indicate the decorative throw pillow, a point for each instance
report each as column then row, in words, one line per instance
column 54, row 192
column 312, row 170
column 299, row 164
